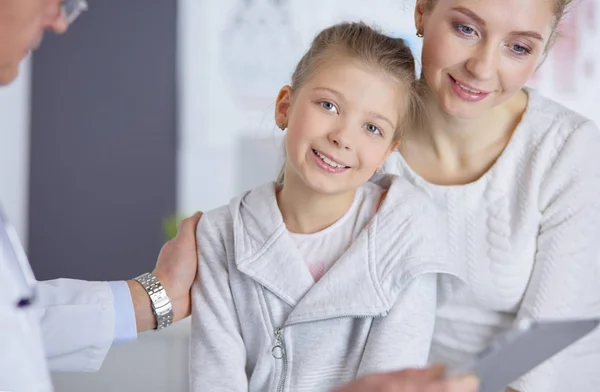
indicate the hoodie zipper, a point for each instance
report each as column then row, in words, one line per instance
column 278, row 349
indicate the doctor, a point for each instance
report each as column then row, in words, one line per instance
column 68, row 324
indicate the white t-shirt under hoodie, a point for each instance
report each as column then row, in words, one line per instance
column 322, row 249
column 527, row 234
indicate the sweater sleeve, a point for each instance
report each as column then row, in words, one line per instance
column 564, row 281
column 217, row 353
column 402, row 339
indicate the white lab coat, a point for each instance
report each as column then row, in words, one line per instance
column 69, row 327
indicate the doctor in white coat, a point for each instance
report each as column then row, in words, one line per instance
column 68, row 324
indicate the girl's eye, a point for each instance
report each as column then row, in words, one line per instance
column 330, row 107
column 373, row 129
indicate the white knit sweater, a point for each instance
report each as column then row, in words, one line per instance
column 527, row 234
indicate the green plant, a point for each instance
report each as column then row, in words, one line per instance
column 171, row 224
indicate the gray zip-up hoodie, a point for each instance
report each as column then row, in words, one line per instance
column 261, row 323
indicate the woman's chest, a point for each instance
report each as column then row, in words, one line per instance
column 491, row 236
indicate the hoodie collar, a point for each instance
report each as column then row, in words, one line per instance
column 399, row 243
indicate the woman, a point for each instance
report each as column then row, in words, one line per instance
column 518, row 177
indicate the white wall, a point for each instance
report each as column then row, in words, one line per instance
column 571, row 73
column 14, row 150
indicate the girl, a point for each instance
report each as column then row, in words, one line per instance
column 304, row 285
column 518, row 177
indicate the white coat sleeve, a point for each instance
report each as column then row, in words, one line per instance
column 77, row 321
column 566, row 274
column 22, row 361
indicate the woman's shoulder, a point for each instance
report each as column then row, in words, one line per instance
column 564, row 145
column 550, row 131
column 547, row 118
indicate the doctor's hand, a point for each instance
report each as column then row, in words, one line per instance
column 176, row 270
column 412, row 380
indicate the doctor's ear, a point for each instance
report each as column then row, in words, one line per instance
column 282, row 107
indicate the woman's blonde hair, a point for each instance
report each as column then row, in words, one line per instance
column 358, row 41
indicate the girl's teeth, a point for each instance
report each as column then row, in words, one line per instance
column 329, row 161
column 468, row 89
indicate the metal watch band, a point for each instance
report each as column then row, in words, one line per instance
column 161, row 304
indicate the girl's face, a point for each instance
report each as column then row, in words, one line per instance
column 479, row 53
column 341, row 125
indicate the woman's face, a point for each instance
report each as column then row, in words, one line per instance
column 479, row 53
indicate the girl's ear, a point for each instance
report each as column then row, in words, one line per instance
column 282, row 107
column 393, row 148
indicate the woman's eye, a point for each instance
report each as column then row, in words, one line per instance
column 520, row 49
column 464, row 29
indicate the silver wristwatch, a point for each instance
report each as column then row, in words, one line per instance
column 161, row 304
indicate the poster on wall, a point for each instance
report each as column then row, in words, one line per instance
column 257, row 51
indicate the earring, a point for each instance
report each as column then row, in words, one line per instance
column 419, row 34
column 282, row 126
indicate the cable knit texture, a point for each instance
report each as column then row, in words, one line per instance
column 527, row 233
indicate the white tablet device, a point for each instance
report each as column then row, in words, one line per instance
column 527, row 344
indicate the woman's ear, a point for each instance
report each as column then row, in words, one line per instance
column 419, row 16
column 282, row 107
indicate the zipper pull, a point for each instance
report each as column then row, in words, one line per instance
column 277, row 351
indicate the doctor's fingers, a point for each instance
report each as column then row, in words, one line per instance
column 187, row 226
column 456, row 384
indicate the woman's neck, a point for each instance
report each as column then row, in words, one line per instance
column 454, row 138
column 306, row 211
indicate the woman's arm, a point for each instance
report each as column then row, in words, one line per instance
column 217, row 354
column 565, row 277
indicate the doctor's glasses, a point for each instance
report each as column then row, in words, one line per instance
column 71, row 9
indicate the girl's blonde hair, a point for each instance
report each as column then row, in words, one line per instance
column 358, row 41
